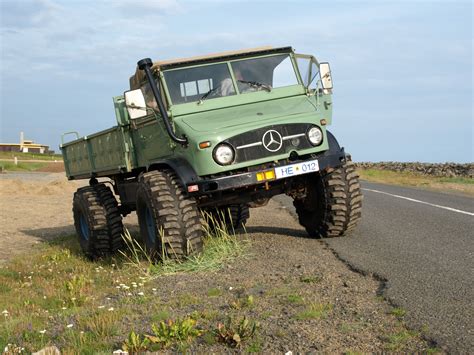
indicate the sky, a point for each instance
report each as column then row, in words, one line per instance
column 402, row 70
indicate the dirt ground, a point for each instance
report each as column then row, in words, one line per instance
column 285, row 273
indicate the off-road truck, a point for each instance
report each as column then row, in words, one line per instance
column 222, row 132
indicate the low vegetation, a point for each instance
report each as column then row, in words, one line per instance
column 27, row 166
column 30, row 156
column 57, row 297
column 206, row 304
column 454, row 184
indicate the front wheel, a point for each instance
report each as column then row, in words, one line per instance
column 170, row 223
column 333, row 203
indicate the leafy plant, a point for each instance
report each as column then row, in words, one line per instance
column 75, row 288
column 135, row 343
column 243, row 302
column 179, row 332
column 233, row 333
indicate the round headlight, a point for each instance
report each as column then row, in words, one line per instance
column 315, row 135
column 223, row 154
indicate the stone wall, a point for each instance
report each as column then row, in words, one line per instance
column 441, row 169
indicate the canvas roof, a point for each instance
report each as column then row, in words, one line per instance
column 138, row 77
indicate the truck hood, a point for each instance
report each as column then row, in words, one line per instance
column 249, row 114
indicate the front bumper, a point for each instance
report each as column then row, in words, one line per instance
column 326, row 160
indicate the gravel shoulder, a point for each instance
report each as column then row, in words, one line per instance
column 304, row 297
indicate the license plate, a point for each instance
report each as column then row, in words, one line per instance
column 306, row 167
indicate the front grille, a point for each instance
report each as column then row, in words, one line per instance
column 250, row 145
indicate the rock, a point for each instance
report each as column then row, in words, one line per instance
column 49, row 350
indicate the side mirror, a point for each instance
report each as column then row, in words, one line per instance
column 326, row 78
column 135, row 103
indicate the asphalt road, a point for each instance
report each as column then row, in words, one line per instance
column 424, row 249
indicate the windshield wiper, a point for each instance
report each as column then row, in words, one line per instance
column 203, row 97
column 256, row 84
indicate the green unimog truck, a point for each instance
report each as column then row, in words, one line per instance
column 222, row 132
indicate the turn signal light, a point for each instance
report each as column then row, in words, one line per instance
column 203, row 145
column 323, row 122
column 266, row 175
column 269, row 174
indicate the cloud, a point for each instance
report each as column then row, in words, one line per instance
column 27, row 13
column 145, row 8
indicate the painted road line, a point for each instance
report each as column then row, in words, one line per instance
column 422, row 202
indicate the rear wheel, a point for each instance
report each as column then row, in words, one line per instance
column 333, row 203
column 170, row 223
column 97, row 220
column 232, row 216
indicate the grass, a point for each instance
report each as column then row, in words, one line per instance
column 397, row 341
column 57, row 296
column 398, row 312
column 28, row 166
column 30, row 156
column 214, row 292
column 315, row 311
column 294, row 299
column 217, row 252
column 457, row 184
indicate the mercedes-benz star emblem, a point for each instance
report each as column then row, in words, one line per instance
column 272, row 140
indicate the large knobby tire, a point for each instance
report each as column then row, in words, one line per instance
column 239, row 214
column 97, row 220
column 170, row 224
column 333, row 204
column 234, row 217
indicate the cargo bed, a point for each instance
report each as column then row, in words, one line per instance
column 103, row 153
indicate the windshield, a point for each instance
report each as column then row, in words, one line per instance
column 191, row 84
column 214, row 80
column 264, row 73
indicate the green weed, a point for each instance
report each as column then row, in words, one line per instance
column 315, row 311
column 294, row 299
column 179, row 332
column 214, row 292
column 255, row 346
column 242, row 302
column 398, row 312
column 75, row 288
column 234, row 332
column 135, row 343
column 397, row 341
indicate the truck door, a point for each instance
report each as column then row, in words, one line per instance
column 309, row 70
column 150, row 138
